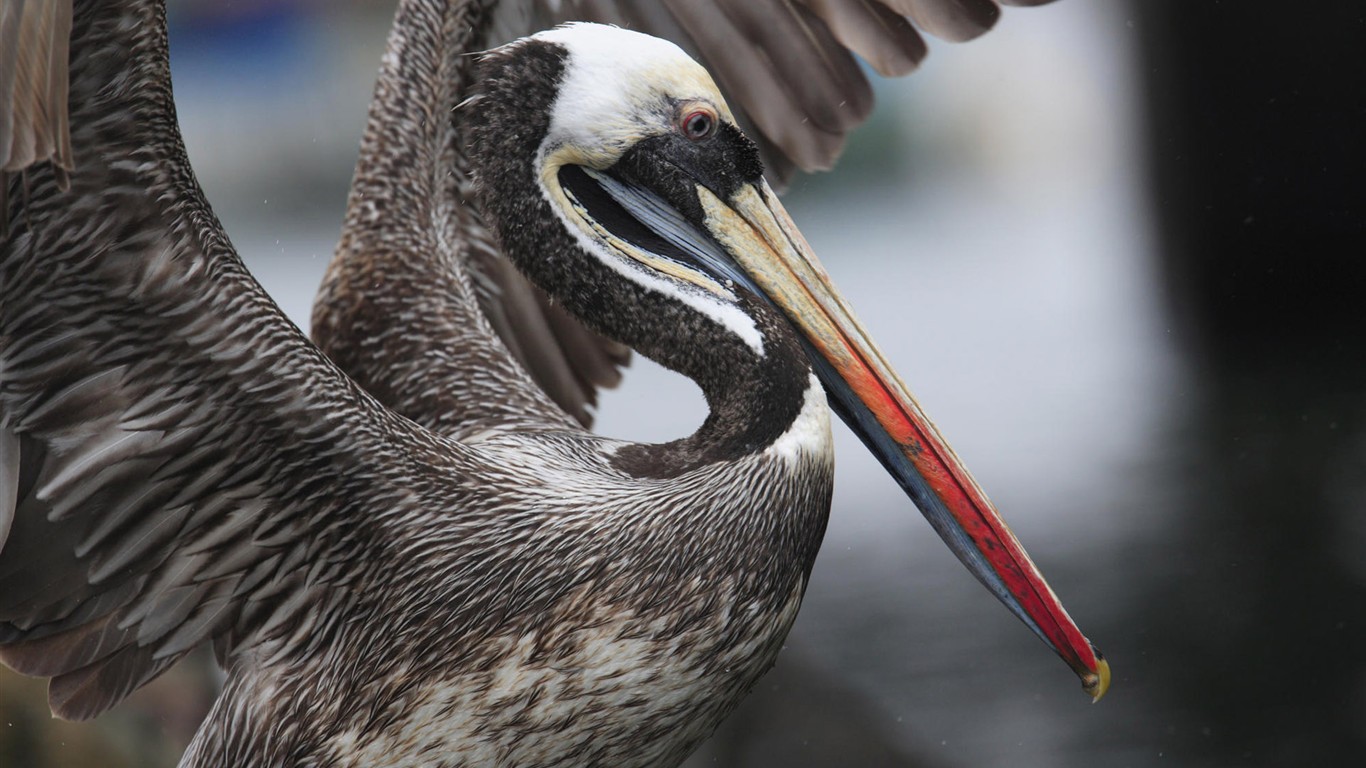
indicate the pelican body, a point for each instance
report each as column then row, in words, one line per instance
column 387, row 582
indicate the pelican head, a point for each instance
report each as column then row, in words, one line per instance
column 614, row 174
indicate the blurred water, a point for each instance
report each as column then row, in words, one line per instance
column 991, row 228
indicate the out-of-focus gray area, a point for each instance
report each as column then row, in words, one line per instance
column 998, row 226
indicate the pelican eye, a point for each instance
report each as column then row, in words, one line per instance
column 698, row 124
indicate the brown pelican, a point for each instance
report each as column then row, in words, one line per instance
column 180, row 466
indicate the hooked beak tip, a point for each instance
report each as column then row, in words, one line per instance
column 1098, row 682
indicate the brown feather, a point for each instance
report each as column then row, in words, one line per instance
column 886, row 40
column 34, row 37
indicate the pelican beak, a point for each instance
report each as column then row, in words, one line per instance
column 759, row 235
column 749, row 238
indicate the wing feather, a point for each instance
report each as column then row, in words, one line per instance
column 34, row 36
column 953, row 20
column 886, row 40
column 176, row 460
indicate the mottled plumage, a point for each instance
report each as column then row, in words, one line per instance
column 436, row 565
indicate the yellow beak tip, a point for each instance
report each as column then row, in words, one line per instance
column 1098, row 682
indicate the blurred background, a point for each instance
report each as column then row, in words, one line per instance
column 1117, row 251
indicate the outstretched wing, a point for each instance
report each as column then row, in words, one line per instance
column 479, row 347
column 177, row 463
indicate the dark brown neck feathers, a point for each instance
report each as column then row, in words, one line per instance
column 754, row 397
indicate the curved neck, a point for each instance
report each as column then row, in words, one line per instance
column 754, row 395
